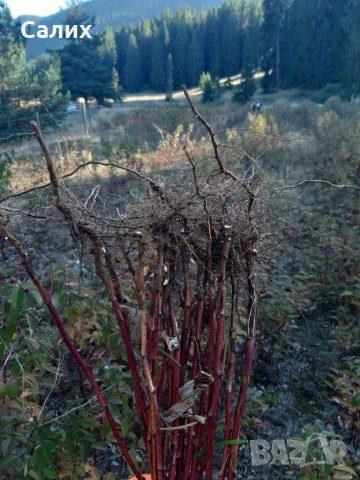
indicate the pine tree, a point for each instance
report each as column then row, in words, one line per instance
column 132, row 71
column 42, row 77
column 169, row 78
column 316, row 38
column 230, row 38
column 121, row 43
column 83, row 72
column 107, row 48
column 275, row 16
column 195, row 60
column 212, row 53
column 251, row 25
column 12, row 64
column 298, row 65
column 76, row 15
column 179, row 45
column 159, row 58
column 108, row 58
column 87, row 64
column 24, row 87
column 351, row 75
column 144, row 34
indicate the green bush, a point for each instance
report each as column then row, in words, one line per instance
column 208, row 88
column 333, row 90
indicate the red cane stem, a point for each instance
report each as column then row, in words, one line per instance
column 154, row 417
column 73, row 351
column 249, row 354
column 216, row 385
column 229, row 380
column 139, row 396
column 240, row 407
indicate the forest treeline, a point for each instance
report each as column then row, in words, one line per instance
column 297, row 43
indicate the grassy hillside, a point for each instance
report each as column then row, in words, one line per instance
column 110, row 13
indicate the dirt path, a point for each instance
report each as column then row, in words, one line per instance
column 179, row 95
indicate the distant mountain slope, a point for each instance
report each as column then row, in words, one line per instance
column 110, row 13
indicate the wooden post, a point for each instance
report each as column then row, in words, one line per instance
column 85, row 118
column 90, row 113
